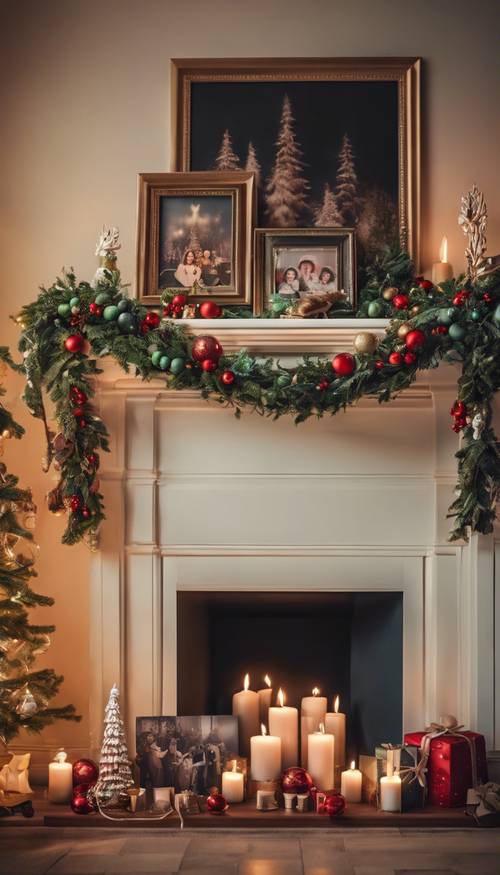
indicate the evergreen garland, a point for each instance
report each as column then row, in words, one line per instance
column 459, row 323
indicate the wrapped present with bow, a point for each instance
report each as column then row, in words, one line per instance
column 405, row 760
column 455, row 759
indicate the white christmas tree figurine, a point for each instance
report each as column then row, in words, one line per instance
column 115, row 774
column 227, row 158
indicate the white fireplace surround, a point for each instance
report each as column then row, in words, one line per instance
column 197, row 500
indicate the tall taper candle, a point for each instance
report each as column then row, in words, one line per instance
column 265, row 698
column 284, row 722
column 265, row 756
column 442, row 269
column 335, row 723
column 246, row 708
column 313, row 707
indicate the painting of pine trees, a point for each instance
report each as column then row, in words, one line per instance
column 320, row 154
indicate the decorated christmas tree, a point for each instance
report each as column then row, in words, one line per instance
column 227, row 158
column 25, row 693
column 347, row 185
column 328, row 214
column 115, row 774
column 287, row 188
column 253, row 166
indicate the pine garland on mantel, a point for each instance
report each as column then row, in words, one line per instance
column 73, row 324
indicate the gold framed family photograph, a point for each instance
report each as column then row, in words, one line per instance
column 195, row 234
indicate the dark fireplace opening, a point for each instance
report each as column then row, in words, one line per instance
column 347, row 644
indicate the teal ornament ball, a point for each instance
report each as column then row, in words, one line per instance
column 475, row 315
column 156, row 357
column 447, row 315
column 496, row 315
column 164, row 362
column 456, row 331
column 110, row 313
column 63, row 310
column 177, row 366
column 284, row 380
column 125, row 320
column 75, row 302
column 102, row 298
column 122, row 305
column 375, row 309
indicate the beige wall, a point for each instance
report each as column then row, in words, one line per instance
column 85, row 108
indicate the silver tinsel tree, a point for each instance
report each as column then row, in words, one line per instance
column 115, row 773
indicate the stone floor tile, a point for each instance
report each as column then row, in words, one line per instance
column 270, row 866
column 100, row 845
column 338, row 866
column 425, row 872
column 210, row 862
column 155, row 844
column 482, row 864
column 80, row 864
column 319, row 851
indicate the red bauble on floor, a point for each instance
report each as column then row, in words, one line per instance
column 85, row 772
column 216, row 803
column 296, row 780
column 334, row 804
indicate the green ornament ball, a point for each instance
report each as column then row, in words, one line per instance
column 496, row 315
column 447, row 315
column 110, row 313
column 122, row 305
column 165, row 361
column 284, row 380
column 475, row 315
column 155, row 357
column 63, row 310
column 177, row 366
column 375, row 309
column 125, row 320
column 102, row 298
column 456, row 331
column 74, row 302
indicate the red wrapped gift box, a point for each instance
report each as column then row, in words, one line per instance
column 449, row 773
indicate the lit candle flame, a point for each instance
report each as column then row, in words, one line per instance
column 267, row 680
column 322, row 728
column 234, row 765
column 263, row 729
column 281, row 697
column 443, row 250
column 353, row 765
column 61, row 756
column 316, row 691
column 246, row 682
column 336, row 704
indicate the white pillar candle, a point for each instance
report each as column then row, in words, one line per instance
column 233, row 788
column 390, row 793
column 307, row 726
column 321, row 758
column 265, row 756
column 350, row 784
column 335, row 724
column 442, row 269
column 246, row 708
column 314, row 706
column 284, row 722
column 265, row 698
column 60, row 779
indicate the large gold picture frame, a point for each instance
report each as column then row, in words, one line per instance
column 237, row 190
column 405, row 72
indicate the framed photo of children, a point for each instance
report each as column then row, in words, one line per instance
column 195, row 234
column 332, row 141
column 313, row 267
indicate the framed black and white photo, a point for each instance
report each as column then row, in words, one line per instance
column 299, row 262
column 187, row 753
column 332, row 142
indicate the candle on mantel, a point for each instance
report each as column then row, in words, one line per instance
column 321, row 758
column 442, row 269
column 390, row 788
column 265, row 756
column 312, row 713
column 265, row 698
column 246, row 708
column 350, row 784
column 60, row 778
column 335, row 723
column 233, row 785
column 284, row 722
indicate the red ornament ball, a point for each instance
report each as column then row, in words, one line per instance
column 460, row 298
column 415, row 339
column 334, row 804
column 152, row 319
column 216, row 803
column 410, row 358
column 227, row 378
column 179, row 301
column 86, row 513
column 296, row 780
column 75, row 504
column 78, row 412
column 81, row 805
column 95, row 309
column 210, row 310
column 379, row 364
column 206, row 347
column 322, row 385
column 209, row 365
column 395, row 358
column 344, row 364
column 93, row 460
column 487, row 298
column 85, row 772
column 426, row 285
column 167, row 310
column 74, row 343
column 400, row 302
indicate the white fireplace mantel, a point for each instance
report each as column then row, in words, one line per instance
column 196, row 499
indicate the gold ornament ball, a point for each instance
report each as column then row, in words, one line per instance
column 414, row 310
column 403, row 329
column 365, row 342
column 390, row 293
column 6, row 434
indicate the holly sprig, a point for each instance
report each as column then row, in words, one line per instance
column 73, row 324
